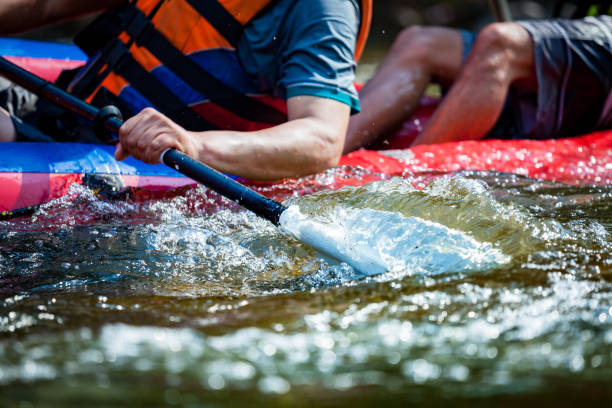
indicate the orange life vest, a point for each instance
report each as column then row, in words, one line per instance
column 179, row 56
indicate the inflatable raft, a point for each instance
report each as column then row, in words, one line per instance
column 35, row 173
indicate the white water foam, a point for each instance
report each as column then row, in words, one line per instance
column 375, row 242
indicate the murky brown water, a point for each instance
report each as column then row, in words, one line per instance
column 183, row 302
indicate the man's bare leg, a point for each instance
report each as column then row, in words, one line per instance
column 7, row 129
column 394, row 91
column 502, row 55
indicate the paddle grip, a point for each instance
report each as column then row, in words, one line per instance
column 215, row 180
column 99, row 124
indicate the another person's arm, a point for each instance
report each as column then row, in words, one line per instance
column 310, row 142
column 8, row 132
column 22, row 15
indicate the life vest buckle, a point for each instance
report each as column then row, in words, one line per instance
column 138, row 27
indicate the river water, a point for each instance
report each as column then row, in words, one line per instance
column 187, row 300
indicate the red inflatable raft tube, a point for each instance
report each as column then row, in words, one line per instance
column 578, row 160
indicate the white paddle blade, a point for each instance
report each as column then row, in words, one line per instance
column 375, row 242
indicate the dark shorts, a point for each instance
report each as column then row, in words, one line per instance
column 573, row 62
column 21, row 105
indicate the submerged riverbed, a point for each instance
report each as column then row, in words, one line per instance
column 190, row 301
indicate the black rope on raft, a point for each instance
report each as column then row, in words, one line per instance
column 106, row 187
column 20, row 212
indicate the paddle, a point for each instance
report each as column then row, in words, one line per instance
column 260, row 205
column 329, row 239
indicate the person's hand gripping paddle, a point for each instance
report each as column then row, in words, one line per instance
column 290, row 220
column 371, row 241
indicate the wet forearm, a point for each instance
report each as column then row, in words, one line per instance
column 309, row 142
column 22, row 15
column 296, row 148
column 7, row 130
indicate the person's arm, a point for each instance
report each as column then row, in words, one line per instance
column 22, row 15
column 8, row 133
column 310, row 142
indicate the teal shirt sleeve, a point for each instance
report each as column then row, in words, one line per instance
column 305, row 47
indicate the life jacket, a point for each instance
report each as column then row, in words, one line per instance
column 583, row 8
column 179, row 57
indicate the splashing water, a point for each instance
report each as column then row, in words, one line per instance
column 495, row 289
column 374, row 242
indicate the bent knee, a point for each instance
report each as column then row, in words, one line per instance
column 416, row 43
column 509, row 40
column 505, row 49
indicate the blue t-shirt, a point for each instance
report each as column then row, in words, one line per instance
column 304, row 47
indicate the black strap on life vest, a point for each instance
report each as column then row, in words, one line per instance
column 221, row 19
column 151, row 88
column 97, row 41
column 103, row 29
column 144, row 34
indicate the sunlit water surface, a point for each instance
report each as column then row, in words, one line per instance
column 188, row 300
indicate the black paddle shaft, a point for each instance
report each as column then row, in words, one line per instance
column 219, row 182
